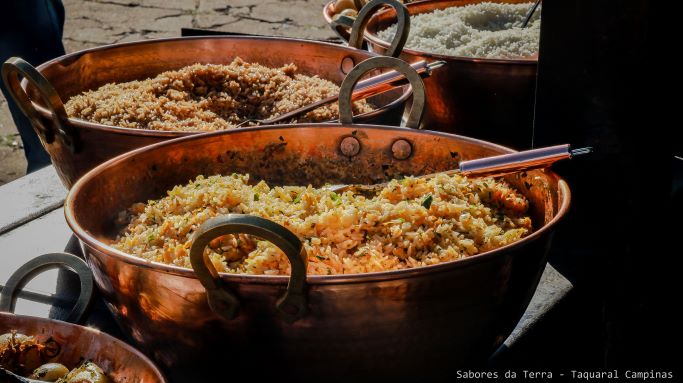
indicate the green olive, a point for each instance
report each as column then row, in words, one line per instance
column 341, row 5
column 49, row 372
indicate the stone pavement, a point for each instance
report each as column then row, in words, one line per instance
column 91, row 23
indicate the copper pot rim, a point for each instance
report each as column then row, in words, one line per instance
column 88, row 125
column 327, row 11
column 91, row 241
column 371, row 36
column 48, row 322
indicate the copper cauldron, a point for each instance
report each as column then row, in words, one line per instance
column 490, row 99
column 76, row 146
column 422, row 322
column 121, row 362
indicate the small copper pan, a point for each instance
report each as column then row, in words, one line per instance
column 121, row 362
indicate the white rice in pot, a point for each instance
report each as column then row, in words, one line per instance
column 484, row 30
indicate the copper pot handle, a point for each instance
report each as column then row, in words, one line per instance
column 12, row 70
column 350, row 81
column 42, row 263
column 340, row 24
column 403, row 19
column 292, row 305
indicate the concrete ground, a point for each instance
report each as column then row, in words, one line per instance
column 91, row 23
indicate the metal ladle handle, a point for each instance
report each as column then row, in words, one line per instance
column 42, row 263
column 350, row 81
column 12, row 71
column 291, row 306
column 402, row 31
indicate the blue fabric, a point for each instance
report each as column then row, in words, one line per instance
column 32, row 30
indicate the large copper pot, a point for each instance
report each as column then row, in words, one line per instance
column 490, row 99
column 423, row 322
column 76, row 146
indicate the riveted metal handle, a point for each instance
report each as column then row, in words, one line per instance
column 12, row 71
column 292, row 305
column 403, row 20
column 42, row 263
column 346, row 89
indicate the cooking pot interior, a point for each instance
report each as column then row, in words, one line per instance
column 121, row 362
column 87, row 70
column 287, row 156
column 385, row 18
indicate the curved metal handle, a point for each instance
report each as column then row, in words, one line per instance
column 42, row 263
column 292, row 305
column 346, row 89
column 340, row 25
column 12, row 71
column 403, row 19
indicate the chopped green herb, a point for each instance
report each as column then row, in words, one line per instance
column 297, row 199
column 320, row 258
column 255, row 197
column 335, row 197
column 401, row 220
column 427, row 202
column 151, row 237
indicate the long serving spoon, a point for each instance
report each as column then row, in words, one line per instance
column 366, row 88
column 530, row 13
column 10, row 377
column 489, row 166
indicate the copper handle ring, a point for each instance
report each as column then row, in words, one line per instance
column 42, row 263
column 12, row 70
column 402, row 17
column 291, row 306
column 350, row 81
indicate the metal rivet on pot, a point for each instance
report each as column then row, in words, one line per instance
column 401, row 149
column 347, row 64
column 350, row 146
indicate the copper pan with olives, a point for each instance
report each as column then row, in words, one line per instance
column 36, row 349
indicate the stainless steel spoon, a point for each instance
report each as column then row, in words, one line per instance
column 529, row 14
column 489, row 166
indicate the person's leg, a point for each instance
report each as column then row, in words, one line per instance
column 32, row 30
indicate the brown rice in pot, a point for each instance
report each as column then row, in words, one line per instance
column 410, row 223
column 208, row 97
